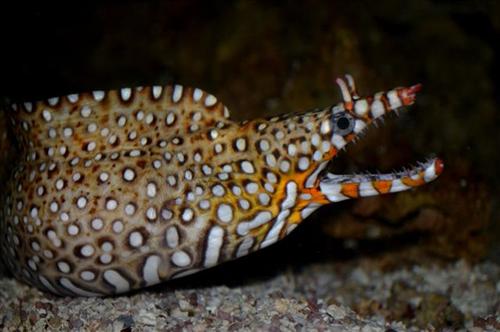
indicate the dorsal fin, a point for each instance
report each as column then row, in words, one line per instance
column 130, row 118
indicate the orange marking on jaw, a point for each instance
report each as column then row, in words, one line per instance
column 316, row 196
column 331, row 153
column 382, row 186
column 350, row 190
column 349, row 105
column 413, row 182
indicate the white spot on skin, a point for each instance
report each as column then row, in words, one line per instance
column 111, row 204
column 241, row 144
column 135, row 239
column 214, row 245
column 151, row 213
column 73, row 98
column 394, row 100
column 151, row 190
column 315, row 139
column 81, row 202
column 125, row 93
column 166, row 214
column 264, row 145
column 285, row 166
column 210, row 101
column 28, row 106
column 397, row 186
column 104, row 176
column 366, row 189
column 204, row 204
column 98, row 95
column 279, row 135
column 338, row 141
column 177, row 94
column 87, row 250
column 218, row 148
column 225, row 213
column 170, row 118
column 115, row 279
column 105, row 258
column 251, row 187
column 377, row 109
column 197, row 93
column 172, row 237
column 97, row 224
column 128, row 175
column 150, row 270
column 87, row 275
column 187, row 215
column 52, row 101
column 67, row 132
column 117, row 226
column 157, row 90
column 85, row 111
column 303, row 163
column 63, row 267
column 325, row 127
column 47, row 116
column 181, row 259
column 264, row 199
column 247, row 167
column 332, row 191
column 129, row 209
column 207, row 170
column 73, row 230
column 218, row 190
column 361, row 107
column 270, row 160
column 292, row 149
column 359, row 125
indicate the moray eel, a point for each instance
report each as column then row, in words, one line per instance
column 119, row 190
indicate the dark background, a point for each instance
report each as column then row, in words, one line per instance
column 265, row 58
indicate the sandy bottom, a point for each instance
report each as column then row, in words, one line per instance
column 340, row 296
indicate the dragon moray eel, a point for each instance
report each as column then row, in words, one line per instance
column 119, row 190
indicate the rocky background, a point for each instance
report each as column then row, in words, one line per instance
column 427, row 259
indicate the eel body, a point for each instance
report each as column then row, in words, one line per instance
column 119, row 190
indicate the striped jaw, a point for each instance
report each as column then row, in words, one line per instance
column 341, row 187
column 348, row 121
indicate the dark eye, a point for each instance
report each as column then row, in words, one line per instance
column 343, row 124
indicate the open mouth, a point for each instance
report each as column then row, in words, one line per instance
column 338, row 187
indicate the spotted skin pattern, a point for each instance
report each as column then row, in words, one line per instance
column 124, row 189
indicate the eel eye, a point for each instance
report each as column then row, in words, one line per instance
column 343, row 124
